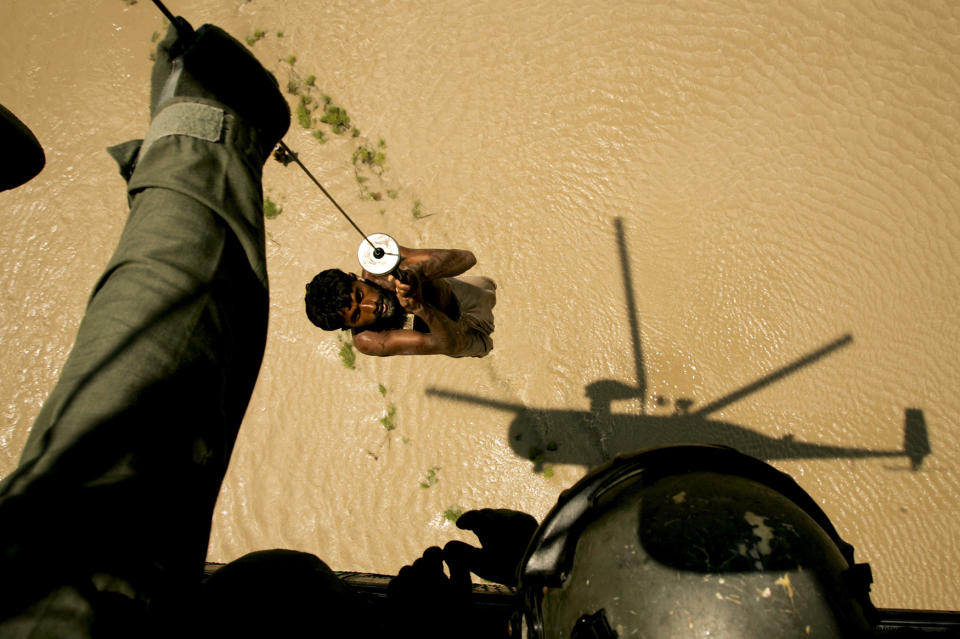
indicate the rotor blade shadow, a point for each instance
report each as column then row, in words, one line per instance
column 632, row 314
column 476, row 399
column 775, row 376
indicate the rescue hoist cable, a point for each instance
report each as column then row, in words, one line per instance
column 285, row 155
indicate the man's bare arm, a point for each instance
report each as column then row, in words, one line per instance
column 446, row 337
column 393, row 342
column 431, row 264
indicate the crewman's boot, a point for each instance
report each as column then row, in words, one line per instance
column 213, row 66
column 216, row 115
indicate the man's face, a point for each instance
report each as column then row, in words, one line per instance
column 372, row 307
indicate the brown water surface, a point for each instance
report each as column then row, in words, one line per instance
column 675, row 201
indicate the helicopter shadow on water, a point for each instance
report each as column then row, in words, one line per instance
column 593, row 436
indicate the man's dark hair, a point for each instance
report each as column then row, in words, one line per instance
column 327, row 293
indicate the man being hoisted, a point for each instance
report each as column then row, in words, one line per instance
column 422, row 309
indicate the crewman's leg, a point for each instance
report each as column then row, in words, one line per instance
column 105, row 522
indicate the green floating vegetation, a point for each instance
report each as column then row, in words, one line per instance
column 258, row 34
column 367, row 160
column 270, row 209
column 290, row 59
column 387, row 420
column 336, row 117
column 315, row 108
column 417, row 210
column 382, row 389
column 452, row 514
column 431, row 478
column 304, row 111
column 279, row 34
column 333, row 116
column 154, row 36
column 538, row 456
column 347, row 356
column 362, row 155
column 367, row 156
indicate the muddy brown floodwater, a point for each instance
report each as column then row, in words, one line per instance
column 678, row 203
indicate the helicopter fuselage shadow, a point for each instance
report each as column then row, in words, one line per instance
column 587, row 438
column 591, row 437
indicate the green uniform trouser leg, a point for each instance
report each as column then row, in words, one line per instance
column 104, row 525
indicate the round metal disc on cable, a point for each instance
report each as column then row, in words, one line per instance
column 379, row 254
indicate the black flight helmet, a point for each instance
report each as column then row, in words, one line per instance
column 691, row 541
